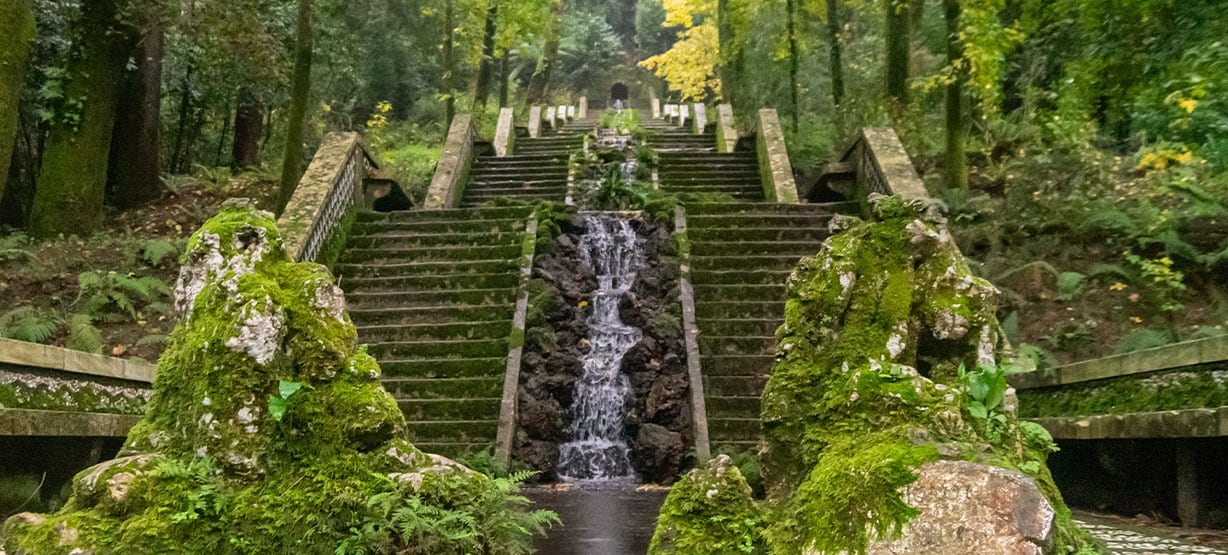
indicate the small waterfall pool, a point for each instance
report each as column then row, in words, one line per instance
column 597, row 449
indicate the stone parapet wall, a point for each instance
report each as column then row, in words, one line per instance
column 726, row 131
column 452, row 172
column 777, row 171
column 332, row 184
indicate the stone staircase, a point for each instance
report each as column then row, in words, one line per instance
column 675, row 138
column 741, row 255
column 735, row 173
column 432, row 293
column 537, row 171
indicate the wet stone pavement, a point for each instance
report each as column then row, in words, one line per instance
column 1123, row 538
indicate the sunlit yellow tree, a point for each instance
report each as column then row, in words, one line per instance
column 690, row 66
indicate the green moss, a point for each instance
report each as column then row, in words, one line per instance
column 209, row 469
column 1202, row 387
column 45, row 393
column 16, row 37
column 330, row 253
column 709, row 511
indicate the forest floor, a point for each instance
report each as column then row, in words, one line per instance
column 109, row 292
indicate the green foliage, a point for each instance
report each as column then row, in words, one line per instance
column 278, row 403
column 83, row 335
column 1141, row 339
column 155, row 251
column 14, row 246
column 215, row 180
column 29, row 323
column 709, row 511
column 111, row 296
column 985, row 390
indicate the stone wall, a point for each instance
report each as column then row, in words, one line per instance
column 452, row 171
column 778, row 183
column 331, row 185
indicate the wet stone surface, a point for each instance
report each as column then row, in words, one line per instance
column 1123, row 541
column 612, row 518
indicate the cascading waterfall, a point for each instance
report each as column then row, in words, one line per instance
column 597, row 450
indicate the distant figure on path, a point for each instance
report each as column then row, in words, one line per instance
column 618, row 105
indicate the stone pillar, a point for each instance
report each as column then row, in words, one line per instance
column 684, row 112
column 1191, row 496
column 505, row 132
column 535, row 121
column 560, row 114
column 726, row 132
column 701, row 118
column 583, row 110
column 656, row 108
column 551, row 112
column 453, row 168
column 571, row 112
column 778, row 184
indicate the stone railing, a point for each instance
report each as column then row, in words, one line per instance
column 332, row 185
column 505, row 132
column 700, row 123
column 508, row 415
column 726, row 129
column 454, row 164
column 690, row 331
column 535, row 121
column 882, row 166
column 51, row 391
column 774, row 165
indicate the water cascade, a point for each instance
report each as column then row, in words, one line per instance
column 597, row 449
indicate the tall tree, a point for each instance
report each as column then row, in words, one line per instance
column 486, row 66
column 835, row 52
column 540, row 80
column 292, row 163
column 898, row 49
column 16, row 37
column 794, row 60
column 449, row 64
column 136, row 150
column 249, row 126
column 72, row 184
column 505, row 74
column 957, row 133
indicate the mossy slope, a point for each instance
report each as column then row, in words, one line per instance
column 216, row 466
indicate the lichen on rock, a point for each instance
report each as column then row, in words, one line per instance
column 888, row 342
column 212, row 466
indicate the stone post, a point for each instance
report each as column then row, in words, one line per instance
column 726, row 132
column 583, row 110
column 656, row 108
column 505, row 132
column 454, row 163
column 535, row 121
column 897, row 170
column 701, row 119
column 571, row 112
column 684, row 113
column 551, row 112
column 778, row 184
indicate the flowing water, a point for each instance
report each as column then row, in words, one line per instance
column 597, row 450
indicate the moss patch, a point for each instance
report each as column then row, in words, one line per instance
column 709, row 511
column 1188, row 388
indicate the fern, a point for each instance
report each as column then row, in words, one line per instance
column 13, row 247
column 1141, row 339
column 83, row 335
column 156, row 250
column 1069, row 285
column 28, row 323
column 109, row 296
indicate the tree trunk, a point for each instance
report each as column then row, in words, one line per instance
column 249, row 126
column 794, row 61
column 17, row 34
column 898, row 50
column 957, row 132
column 221, row 137
column 73, row 182
column 505, row 73
column 449, row 66
column 481, row 91
column 136, row 151
column 541, row 78
column 292, row 163
column 725, row 65
column 835, row 52
column 179, row 150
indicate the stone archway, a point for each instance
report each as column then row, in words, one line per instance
column 620, row 91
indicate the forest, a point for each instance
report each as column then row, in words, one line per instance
column 1080, row 147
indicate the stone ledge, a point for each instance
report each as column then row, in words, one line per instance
column 28, row 422
column 22, row 353
column 774, row 165
column 1189, row 353
column 1211, row 422
column 453, row 168
column 726, row 132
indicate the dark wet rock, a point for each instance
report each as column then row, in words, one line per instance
column 657, row 453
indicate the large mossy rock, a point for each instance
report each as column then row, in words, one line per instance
column 269, row 432
column 709, row 511
column 889, row 361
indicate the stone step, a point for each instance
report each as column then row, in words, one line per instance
column 768, row 208
column 483, row 387
column 714, row 309
column 742, row 292
column 732, row 222
column 757, row 248
column 453, row 431
column 468, row 348
column 401, row 239
column 426, row 410
column 815, row 234
column 443, row 368
column 672, row 163
column 513, row 159
column 741, row 326
column 426, row 314
column 732, row 407
column 737, row 365
column 421, row 254
column 732, row 446
column 513, row 189
column 726, row 262
column 437, row 267
column 432, row 282
column 734, row 386
column 734, row 429
column 494, row 329
column 716, row 185
column 712, row 177
column 439, row 228
column 462, row 214
column 434, row 297
column 500, row 174
column 738, row 277
column 453, row 449
column 736, row 345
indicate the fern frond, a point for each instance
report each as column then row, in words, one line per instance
column 83, row 335
column 28, row 323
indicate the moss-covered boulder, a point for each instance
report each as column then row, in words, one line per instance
column 709, row 511
column 889, row 360
column 269, row 432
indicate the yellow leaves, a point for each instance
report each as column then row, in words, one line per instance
column 1119, row 286
column 682, row 13
column 326, row 107
column 1136, row 319
column 583, row 304
column 690, row 65
column 1160, row 158
column 1188, row 104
